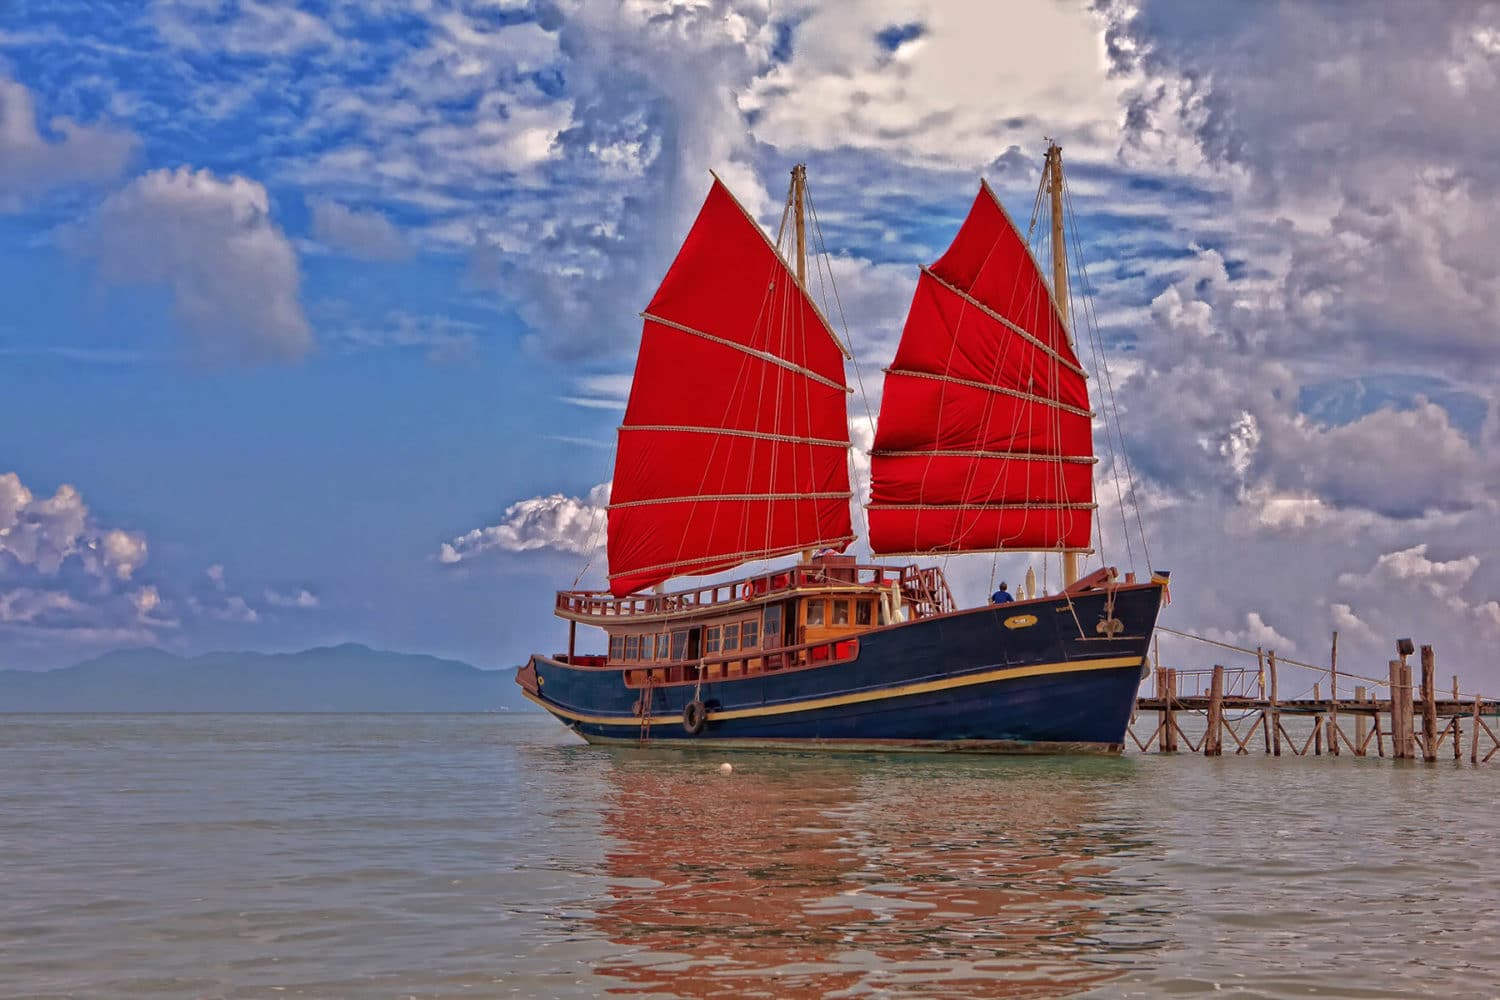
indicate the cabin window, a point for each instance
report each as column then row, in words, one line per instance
column 814, row 612
column 841, row 612
column 632, row 647
column 617, row 647
column 732, row 636
column 750, row 634
column 679, row 645
column 663, row 645
column 862, row 613
column 711, row 639
column 773, row 626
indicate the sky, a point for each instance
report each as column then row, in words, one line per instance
column 319, row 316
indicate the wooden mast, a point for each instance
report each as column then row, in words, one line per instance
column 799, row 185
column 1060, row 290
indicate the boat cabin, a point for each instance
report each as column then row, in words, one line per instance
column 811, row 614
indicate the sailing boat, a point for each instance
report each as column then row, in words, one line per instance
column 735, row 448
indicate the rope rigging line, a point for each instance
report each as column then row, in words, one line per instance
column 1097, row 339
column 864, row 396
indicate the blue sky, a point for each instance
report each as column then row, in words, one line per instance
column 322, row 312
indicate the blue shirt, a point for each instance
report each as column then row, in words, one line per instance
column 1001, row 596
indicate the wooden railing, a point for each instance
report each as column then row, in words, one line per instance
column 742, row 663
column 925, row 589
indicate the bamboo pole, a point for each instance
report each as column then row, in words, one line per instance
column 1213, row 743
column 1361, row 724
column 1429, row 705
column 1275, row 711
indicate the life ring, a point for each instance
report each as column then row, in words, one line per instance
column 694, row 717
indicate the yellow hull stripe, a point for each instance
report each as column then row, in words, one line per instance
column 857, row 697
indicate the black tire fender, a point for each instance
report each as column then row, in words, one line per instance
column 694, row 717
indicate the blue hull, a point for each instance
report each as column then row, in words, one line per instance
column 961, row 681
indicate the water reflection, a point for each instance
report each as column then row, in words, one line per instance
column 817, row 877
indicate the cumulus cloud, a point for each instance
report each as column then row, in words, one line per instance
column 941, row 84
column 558, row 522
column 365, row 234
column 62, row 574
column 38, row 535
column 1412, row 567
column 31, row 163
column 1255, row 633
column 232, row 272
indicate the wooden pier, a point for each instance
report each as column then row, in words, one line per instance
column 1410, row 721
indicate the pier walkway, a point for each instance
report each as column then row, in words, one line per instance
column 1241, row 708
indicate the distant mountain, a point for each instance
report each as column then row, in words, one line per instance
column 347, row 678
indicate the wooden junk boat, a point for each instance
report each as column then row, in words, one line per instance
column 735, row 448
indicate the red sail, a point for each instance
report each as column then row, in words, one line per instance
column 735, row 444
column 985, row 440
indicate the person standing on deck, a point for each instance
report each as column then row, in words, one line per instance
column 1001, row 596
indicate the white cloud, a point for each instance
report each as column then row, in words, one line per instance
column 232, row 272
column 38, row 536
column 557, row 522
column 214, row 600
column 1256, row 633
column 63, row 576
column 31, row 164
column 366, row 234
column 1351, row 626
column 298, row 598
column 967, row 81
column 442, row 338
column 240, row 27
column 1412, row 567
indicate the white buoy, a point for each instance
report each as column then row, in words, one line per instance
column 726, row 768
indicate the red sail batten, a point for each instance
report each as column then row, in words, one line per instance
column 984, row 366
column 738, row 390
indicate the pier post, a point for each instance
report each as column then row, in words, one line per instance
column 1333, row 693
column 1429, row 705
column 1474, row 734
column 1213, row 741
column 1275, row 712
column 1162, row 716
column 1408, row 712
column 1260, row 683
column 1318, row 722
column 1169, row 738
column 1398, row 744
column 1361, row 724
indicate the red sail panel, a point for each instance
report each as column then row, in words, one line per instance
column 735, row 442
column 985, row 438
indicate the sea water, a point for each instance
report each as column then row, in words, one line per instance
column 495, row 855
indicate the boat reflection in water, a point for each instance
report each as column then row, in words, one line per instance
column 798, row 877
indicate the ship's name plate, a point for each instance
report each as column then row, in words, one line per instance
column 1020, row 621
